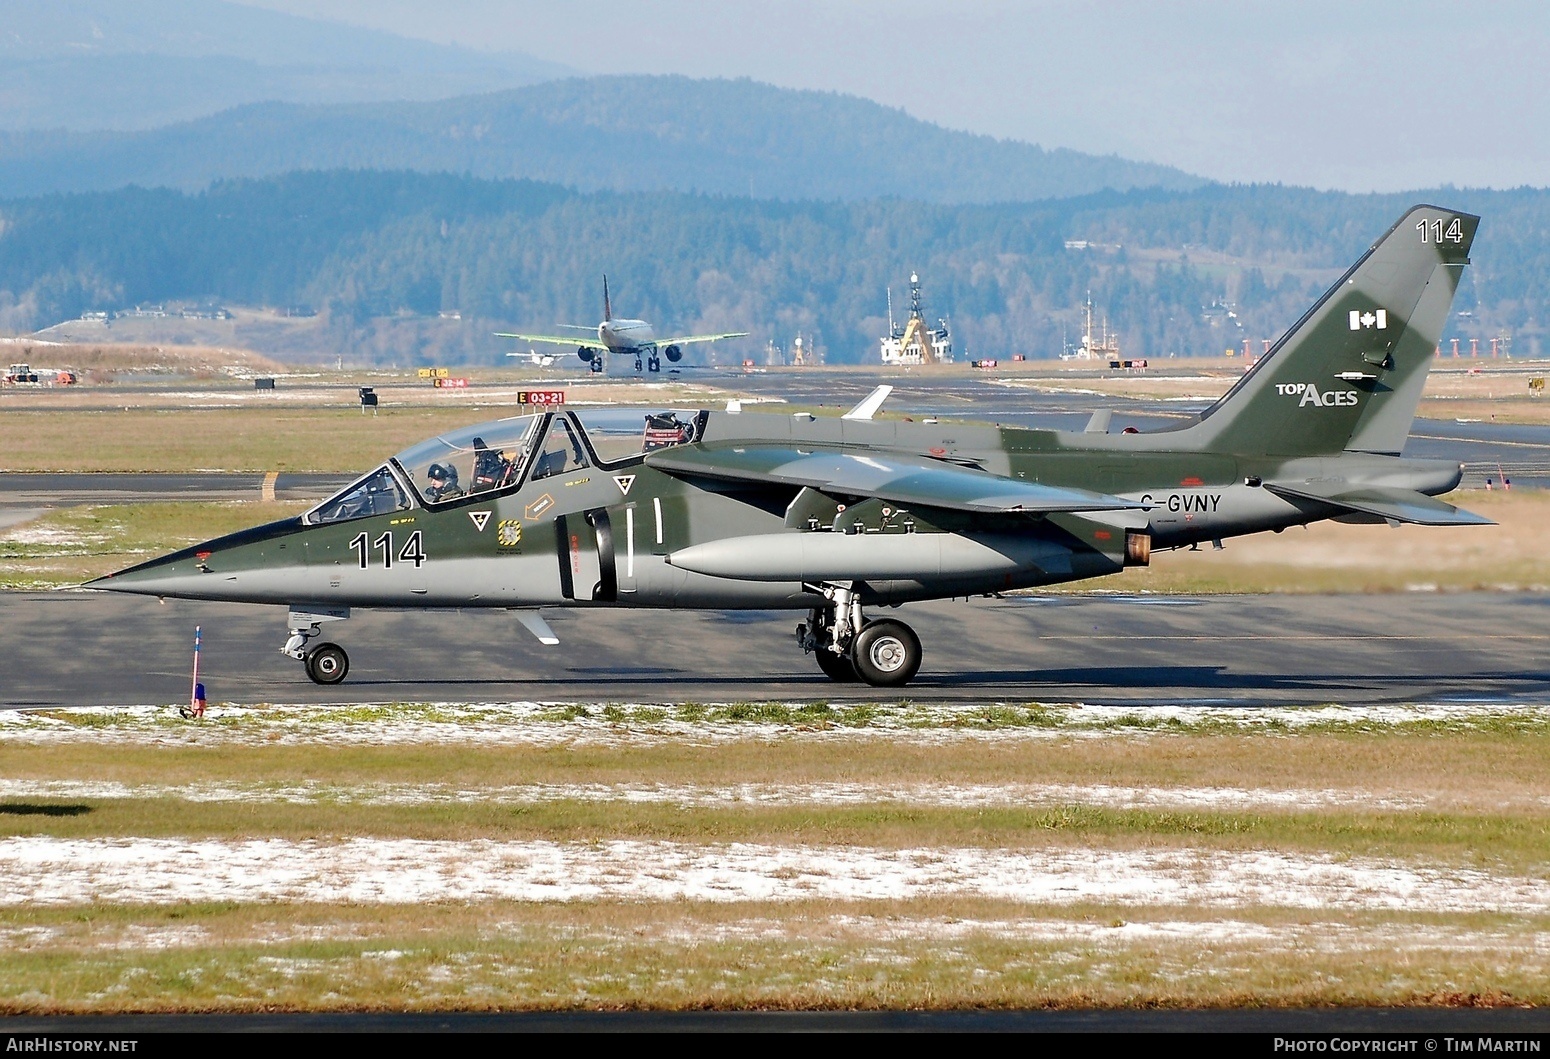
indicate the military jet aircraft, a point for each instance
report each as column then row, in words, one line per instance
column 623, row 337
column 723, row 509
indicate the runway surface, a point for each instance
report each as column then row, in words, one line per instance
column 81, row 648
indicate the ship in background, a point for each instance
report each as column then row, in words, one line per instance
column 915, row 342
column 804, row 352
column 1103, row 347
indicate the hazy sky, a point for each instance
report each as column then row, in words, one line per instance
column 1382, row 95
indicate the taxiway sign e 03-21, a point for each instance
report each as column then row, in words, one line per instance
column 671, row 508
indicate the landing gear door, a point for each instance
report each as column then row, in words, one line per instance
column 585, row 548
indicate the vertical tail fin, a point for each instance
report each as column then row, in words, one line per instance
column 1349, row 374
column 608, row 310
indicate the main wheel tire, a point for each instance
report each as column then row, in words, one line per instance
column 836, row 667
column 327, row 663
column 886, row 654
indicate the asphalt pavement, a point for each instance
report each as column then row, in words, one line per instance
column 69, row 649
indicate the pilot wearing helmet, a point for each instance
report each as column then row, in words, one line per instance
column 443, row 483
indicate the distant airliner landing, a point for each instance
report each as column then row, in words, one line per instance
column 626, row 337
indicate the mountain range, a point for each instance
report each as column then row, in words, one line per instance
column 92, row 65
column 624, row 133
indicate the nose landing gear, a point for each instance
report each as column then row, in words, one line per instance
column 325, row 663
column 848, row 648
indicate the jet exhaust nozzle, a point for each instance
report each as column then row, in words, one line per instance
column 1138, row 548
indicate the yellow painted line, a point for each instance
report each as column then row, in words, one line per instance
column 269, row 481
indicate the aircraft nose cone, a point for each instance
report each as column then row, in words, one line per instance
column 168, row 576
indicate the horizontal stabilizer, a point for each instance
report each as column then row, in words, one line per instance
column 902, row 479
column 1401, row 505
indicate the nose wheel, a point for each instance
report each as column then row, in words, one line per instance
column 326, row 663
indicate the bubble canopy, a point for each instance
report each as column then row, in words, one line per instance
column 446, row 468
column 468, row 461
column 495, row 455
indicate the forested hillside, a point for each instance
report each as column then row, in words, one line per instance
column 370, row 250
column 615, row 133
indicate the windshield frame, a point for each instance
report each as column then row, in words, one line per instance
column 309, row 517
column 524, row 445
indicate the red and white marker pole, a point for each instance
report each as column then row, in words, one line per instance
column 196, row 703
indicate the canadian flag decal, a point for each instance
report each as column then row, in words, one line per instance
column 1378, row 318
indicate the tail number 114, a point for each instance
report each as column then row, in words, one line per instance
column 1432, row 231
column 413, row 550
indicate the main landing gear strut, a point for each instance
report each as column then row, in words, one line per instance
column 847, row 647
column 325, row 663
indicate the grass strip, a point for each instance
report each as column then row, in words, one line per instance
column 1481, row 769
column 1519, row 841
column 938, row 954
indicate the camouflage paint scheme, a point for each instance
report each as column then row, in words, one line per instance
column 767, row 511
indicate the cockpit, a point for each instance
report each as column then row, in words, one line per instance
column 497, row 457
column 473, row 460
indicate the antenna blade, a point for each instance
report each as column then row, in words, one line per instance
column 534, row 623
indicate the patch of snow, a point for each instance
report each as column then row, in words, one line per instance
column 51, row 536
column 551, row 724
column 41, row 870
column 935, row 794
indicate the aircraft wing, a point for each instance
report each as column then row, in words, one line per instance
column 902, row 479
column 559, row 340
column 1401, row 505
column 688, row 339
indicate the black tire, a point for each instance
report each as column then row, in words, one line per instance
column 327, row 663
column 886, row 654
column 836, row 667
